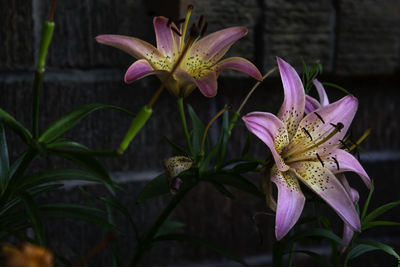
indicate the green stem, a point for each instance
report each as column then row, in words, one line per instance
column 145, row 242
column 183, row 118
column 138, row 122
column 47, row 34
column 233, row 122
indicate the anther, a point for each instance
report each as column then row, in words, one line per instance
column 176, row 31
column 319, row 117
column 203, row 31
column 309, row 135
column 169, row 22
column 337, row 163
column 338, row 126
column 320, row 160
column 190, row 8
column 201, row 20
column 181, row 21
column 194, row 31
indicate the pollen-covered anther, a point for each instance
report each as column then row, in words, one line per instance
column 339, row 126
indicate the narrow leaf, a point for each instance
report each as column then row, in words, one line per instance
column 318, row 232
column 379, row 211
column 369, row 245
column 17, row 127
column 4, row 161
column 379, row 223
column 223, row 139
column 168, row 226
column 65, row 123
column 198, row 130
column 35, row 217
column 156, row 187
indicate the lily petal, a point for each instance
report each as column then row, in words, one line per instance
column 346, row 162
column 318, row 125
column 347, row 236
column 239, row 64
column 135, row 47
column 323, row 97
column 292, row 109
column 139, row 69
column 290, row 201
column 351, row 191
column 215, row 45
column 311, row 104
column 164, row 36
column 207, row 84
column 271, row 131
column 324, row 183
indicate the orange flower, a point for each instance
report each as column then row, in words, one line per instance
column 27, row 255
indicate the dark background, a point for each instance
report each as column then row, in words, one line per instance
column 357, row 42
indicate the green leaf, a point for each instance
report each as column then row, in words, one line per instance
column 61, row 175
column 320, row 259
column 246, row 146
column 75, row 211
column 369, row 245
column 245, row 167
column 200, row 241
column 379, row 223
column 65, row 123
column 379, row 211
column 168, row 226
column 17, row 127
column 34, row 216
column 180, row 151
column 336, row 86
column 236, row 181
column 198, row 131
column 4, row 161
column 66, row 143
column 117, row 205
column 221, row 188
column 156, row 187
column 366, row 205
column 90, row 163
column 318, row 232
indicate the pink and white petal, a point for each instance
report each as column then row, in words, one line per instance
column 351, row 191
column 292, row 109
column 311, row 104
column 215, row 45
column 135, row 47
column 139, row 69
column 239, row 64
column 319, row 124
column 347, row 236
column 324, row 183
column 207, row 84
column 271, row 131
column 323, row 97
column 346, row 162
column 290, row 201
column 164, row 36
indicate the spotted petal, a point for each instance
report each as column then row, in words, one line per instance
column 319, row 124
column 164, row 36
column 215, row 45
column 271, row 131
column 207, row 84
column 324, row 183
column 135, row 47
column 292, row 109
column 239, row 64
column 346, row 162
column 139, row 69
column 290, row 201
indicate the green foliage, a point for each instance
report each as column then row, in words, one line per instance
column 309, row 74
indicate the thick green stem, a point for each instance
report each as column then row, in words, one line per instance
column 47, row 34
column 138, row 122
column 145, row 242
column 183, row 118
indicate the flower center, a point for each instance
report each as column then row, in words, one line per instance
column 314, row 143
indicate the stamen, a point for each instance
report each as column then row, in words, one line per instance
column 203, row 31
column 200, row 23
column 344, row 144
column 320, row 160
column 309, row 135
column 169, row 22
column 176, row 31
column 337, row 163
column 181, row 21
column 319, row 117
column 194, row 31
column 338, row 126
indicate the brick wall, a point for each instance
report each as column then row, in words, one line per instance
column 358, row 43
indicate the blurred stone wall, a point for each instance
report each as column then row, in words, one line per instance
column 357, row 42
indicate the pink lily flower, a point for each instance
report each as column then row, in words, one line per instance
column 313, row 104
column 200, row 65
column 308, row 149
